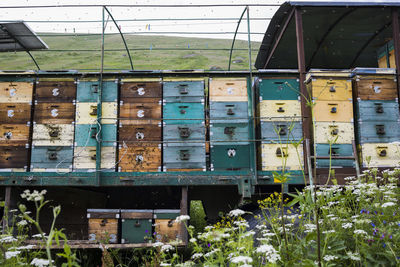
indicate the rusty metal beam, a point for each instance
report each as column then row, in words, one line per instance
column 333, row 25
column 283, row 29
column 304, row 96
column 396, row 43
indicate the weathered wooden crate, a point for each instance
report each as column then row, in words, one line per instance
column 378, row 131
column 228, row 89
column 143, row 157
column 184, row 132
column 16, row 92
column 54, row 113
column 53, row 135
column 85, row 135
column 184, row 156
column 15, row 113
column 103, row 225
column 14, row 134
column 166, row 228
column 225, row 112
column 338, row 111
column 276, row 157
column 326, row 150
column 281, row 131
column 13, row 157
column 87, row 90
column 85, row 158
column 183, row 113
column 278, row 88
column 52, row 157
column 380, row 155
column 229, row 133
column 377, row 110
column 86, row 113
column 136, row 226
column 55, row 90
column 280, row 110
column 331, row 89
column 229, row 157
column 338, row 132
column 140, row 133
column 376, row 87
column 183, row 90
column 134, row 91
column 140, row 113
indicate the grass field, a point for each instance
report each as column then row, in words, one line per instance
column 147, row 58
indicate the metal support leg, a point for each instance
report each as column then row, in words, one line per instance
column 184, row 211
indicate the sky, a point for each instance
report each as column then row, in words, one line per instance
column 73, row 18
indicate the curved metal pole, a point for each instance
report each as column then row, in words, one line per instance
column 122, row 36
column 33, row 59
column 234, row 38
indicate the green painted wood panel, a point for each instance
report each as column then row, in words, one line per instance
column 225, row 112
column 230, row 157
column 375, row 110
column 183, row 113
column 51, row 157
column 184, row 156
column 184, row 132
column 378, row 131
column 337, row 149
column 183, row 91
column 87, row 91
column 136, row 230
column 278, row 89
column 281, row 131
column 229, row 133
column 85, row 134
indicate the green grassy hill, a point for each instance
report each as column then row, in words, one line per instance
column 148, row 59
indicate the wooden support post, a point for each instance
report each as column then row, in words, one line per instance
column 7, row 204
column 304, row 96
column 184, row 211
column 396, row 44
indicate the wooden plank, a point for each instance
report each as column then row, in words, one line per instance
column 54, row 113
column 55, row 91
column 228, row 89
column 14, row 134
column 15, row 113
column 16, row 92
column 135, row 91
column 140, row 113
column 167, row 230
column 53, row 135
column 140, row 133
column 140, row 158
column 338, row 111
column 104, row 230
column 13, row 157
column 376, row 89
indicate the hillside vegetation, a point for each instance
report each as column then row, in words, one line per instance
column 149, row 59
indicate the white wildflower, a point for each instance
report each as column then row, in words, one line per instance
column 11, row 254
column 13, row 210
column 241, row 259
column 158, row 244
column 38, row 235
column 310, row 227
column 388, row 204
column 208, row 228
column 260, row 226
column 197, row 256
column 241, row 223
column 7, row 239
column 330, row 257
column 271, row 254
column 249, row 233
column 40, row 262
column 329, row 232
column 211, row 252
column 268, row 234
column 22, row 223
column 165, row 264
column 192, row 240
column 166, row 248
column 347, row 225
column 362, row 221
column 182, row 218
column 353, row 256
column 360, row 232
column 246, row 265
column 25, row 247
column 236, row 213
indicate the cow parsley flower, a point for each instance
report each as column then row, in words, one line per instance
column 388, row 204
column 353, row 256
column 236, row 213
column 197, row 256
column 182, row 218
column 330, row 257
column 360, row 232
column 40, row 262
column 347, row 225
column 241, row 259
column 271, row 255
column 11, row 254
column 166, row 248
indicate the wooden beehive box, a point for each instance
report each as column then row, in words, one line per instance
column 15, row 113
column 140, row 90
column 14, row 134
column 136, row 226
column 55, row 90
column 280, row 110
column 166, row 228
column 103, row 225
column 275, row 156
column 54, row 113
column 340, row 132
column 228, row 89
column 16, row 92
column 142, row 157
column 140, row 113
column 53, row 135
column 338, row 111
column 380, row 155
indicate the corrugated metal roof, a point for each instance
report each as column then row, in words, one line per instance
column 337, row 34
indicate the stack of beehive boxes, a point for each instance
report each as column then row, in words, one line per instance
column 184, row 125
column 332, row 117
column 53, row 125
column 229, row 119
column 15, row 117
column 140, row 125
column 378, row 118
column 86, row 134
column 280, row 124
